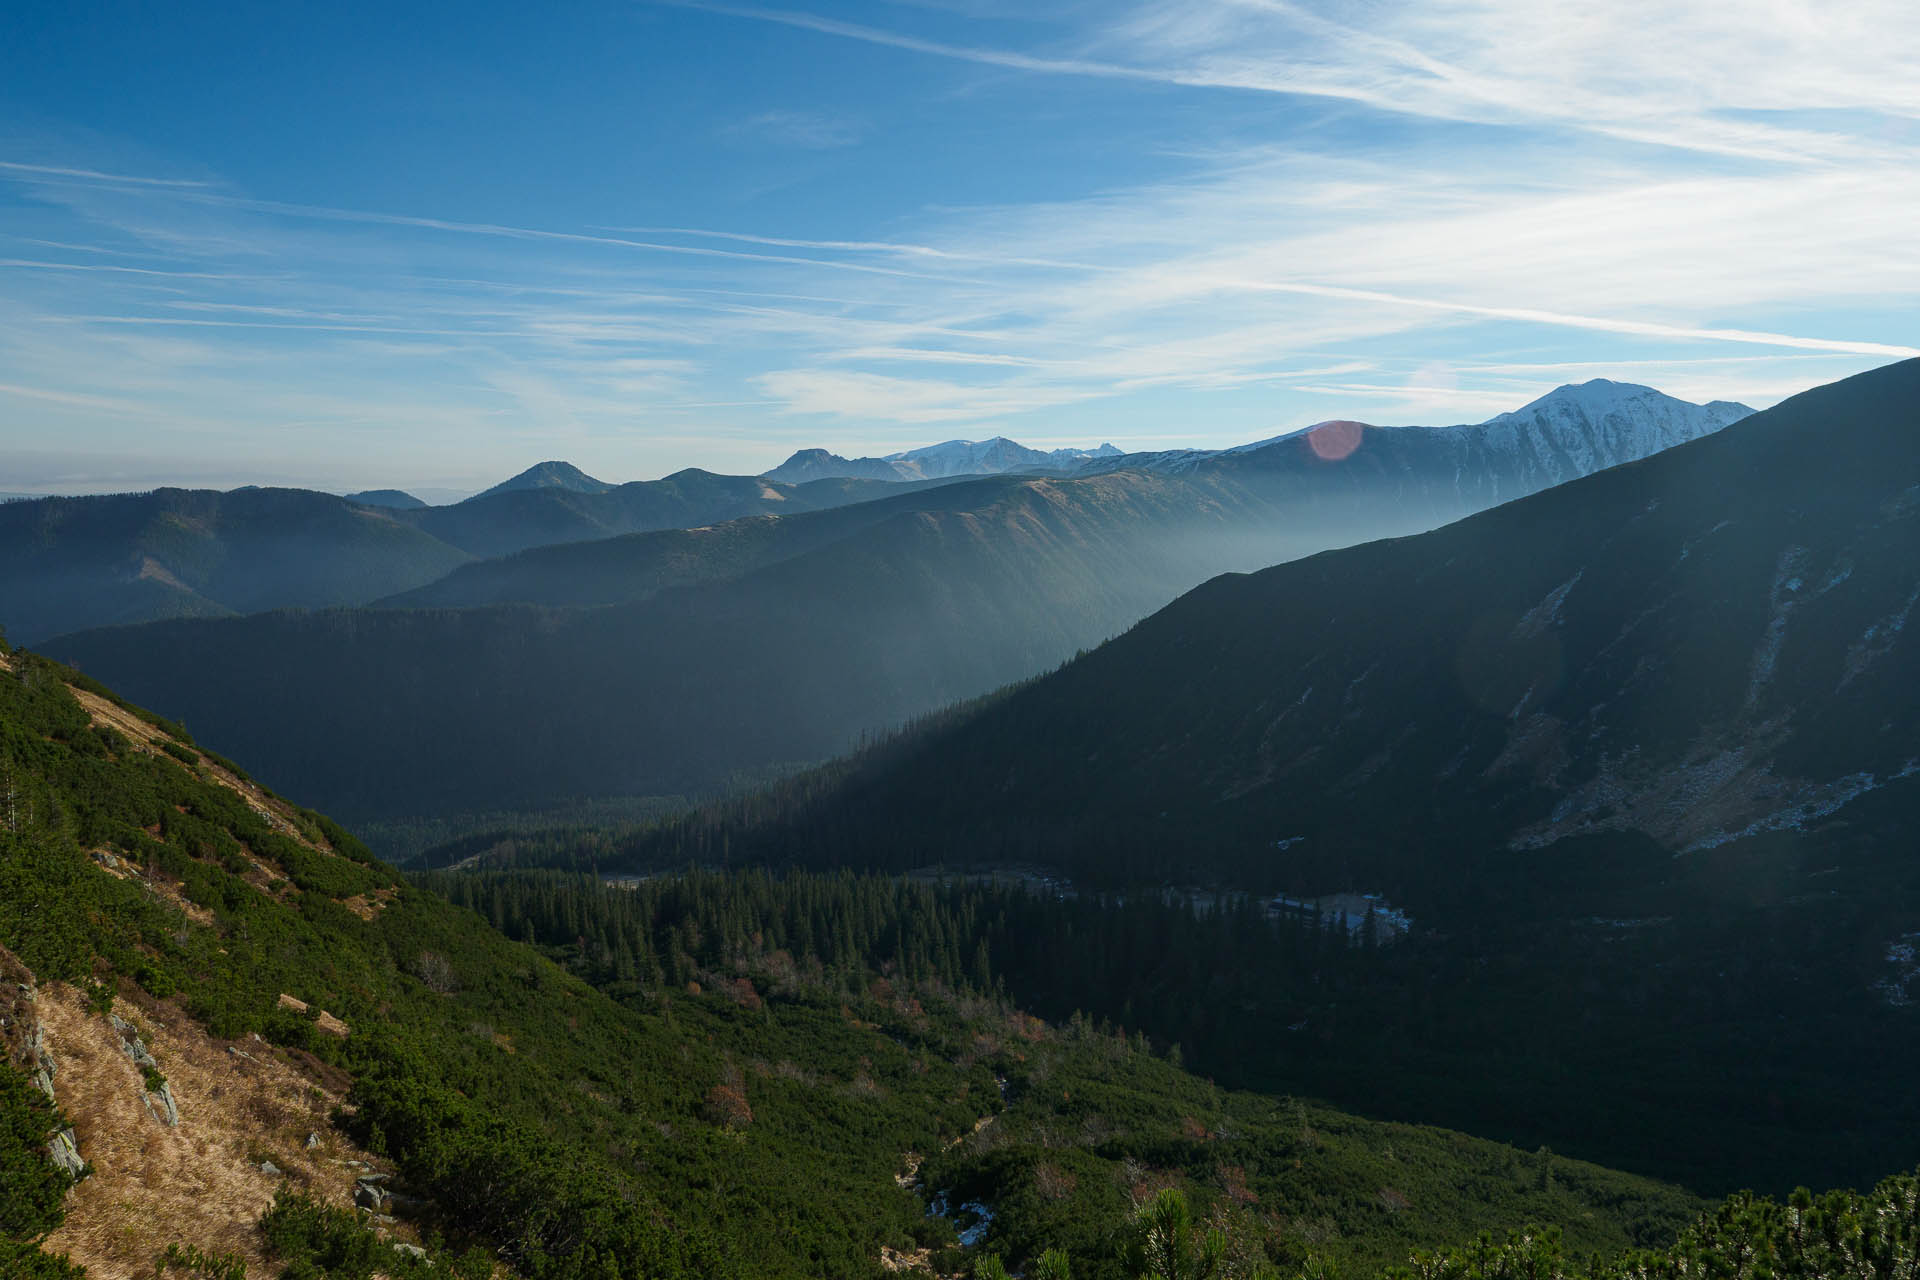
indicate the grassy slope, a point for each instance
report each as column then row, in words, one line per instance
column 572, row 1130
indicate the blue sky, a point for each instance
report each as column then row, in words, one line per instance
column 346, row 246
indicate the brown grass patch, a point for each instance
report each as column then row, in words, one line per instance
column 199, row 1183
column 159, row 885
column 145, row 737
column 369, row 905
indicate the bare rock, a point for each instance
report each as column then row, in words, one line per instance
column 66, row 1153
column 162, row 1107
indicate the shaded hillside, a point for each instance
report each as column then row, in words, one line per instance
column 831, row 626
column 399, row 499
column 1663, row 658
column 67, row 564
column 70, row 563
column 201, row 975
column 404, row 712
column 1637, row 755
column 502, row 522
column 634, row 566
column 1326, row 486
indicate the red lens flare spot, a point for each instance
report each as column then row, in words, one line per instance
column 1332, row 441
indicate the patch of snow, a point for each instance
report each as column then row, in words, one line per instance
column 1782, row 599
column 976, row 1216
column 1547, row 612
column 1903, row 954
column 1818, row 804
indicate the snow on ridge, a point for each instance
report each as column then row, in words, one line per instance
column 939, row 461
column 1569, row 432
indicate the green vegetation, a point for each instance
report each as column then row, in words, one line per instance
column 1636, row 754
column 727, row 1107
column 1092, row 1117
column 31, row 1186
column 191, row 1262
column 720, row 1075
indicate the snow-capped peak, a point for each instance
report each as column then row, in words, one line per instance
column 938, row 461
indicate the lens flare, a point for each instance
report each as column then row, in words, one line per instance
column 1332, row 441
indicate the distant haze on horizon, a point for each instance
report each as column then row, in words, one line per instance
column 354, row 248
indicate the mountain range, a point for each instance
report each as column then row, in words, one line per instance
column 1666, row 658
column 937, row 461
column 67, row 564
column 1614, row 787
column 1638, row 756
column 763, row 644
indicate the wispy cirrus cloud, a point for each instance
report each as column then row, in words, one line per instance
column 1448, row 209
column 807, row 130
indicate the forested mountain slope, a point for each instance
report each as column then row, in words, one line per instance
column 758, row 645
column 1667, row 656
column 505, row 520
column 724, row 1098
column 70, row 563
column 1637, row 755
column 637, row 565
column 67, row 564
column 444, row 710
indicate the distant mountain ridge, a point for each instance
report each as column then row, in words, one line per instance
column 399, row 499
column 1571, row 431
column 1657, row 661
column 937, row 461
column 671, row 660
column 548, row 475
column 68, row 564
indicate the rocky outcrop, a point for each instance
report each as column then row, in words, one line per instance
column 65, row 1151
column 374, row 1193
column 23, row 1045
column 159, row 1094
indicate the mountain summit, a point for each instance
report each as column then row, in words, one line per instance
column 1705, row 649
column 1569, row 432
column 937, row 461
column 549, row 475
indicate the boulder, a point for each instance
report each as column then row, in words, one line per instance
column 162, row 1107
column 66, row 1153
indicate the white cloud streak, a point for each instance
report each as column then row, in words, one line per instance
column 1467, row 268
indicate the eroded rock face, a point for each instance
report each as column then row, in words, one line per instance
column 160, row 1102
column 23, row 1044
column 162, row 1107
column 65, row 1151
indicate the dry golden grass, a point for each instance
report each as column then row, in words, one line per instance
column 369, row 905
column 917, row 1262
column 199, row 1183
column 324, row 1021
